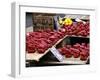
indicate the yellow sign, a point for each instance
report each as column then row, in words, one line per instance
column 65, row 21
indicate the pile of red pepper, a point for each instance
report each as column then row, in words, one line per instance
column 78, row 28
column 42, row 40
column 77, row 50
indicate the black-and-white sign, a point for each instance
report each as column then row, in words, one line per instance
column 56, row 54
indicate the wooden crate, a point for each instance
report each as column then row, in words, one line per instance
column 42, row 21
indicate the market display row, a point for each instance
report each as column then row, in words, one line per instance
column 39, row 43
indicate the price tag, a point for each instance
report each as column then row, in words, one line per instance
column 56, row 54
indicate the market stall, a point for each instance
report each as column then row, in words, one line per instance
column 57, row 39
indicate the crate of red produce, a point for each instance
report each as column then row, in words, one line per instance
column 76, row 51
column 38, row 43
column 72, row 54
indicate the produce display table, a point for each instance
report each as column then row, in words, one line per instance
column 36, row 56
column 81, row 36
